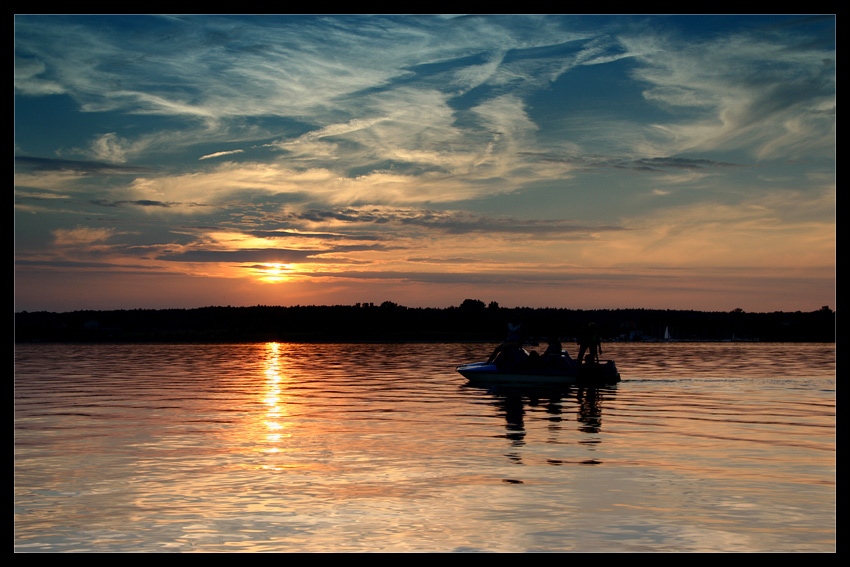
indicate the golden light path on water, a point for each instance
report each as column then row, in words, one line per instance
column 274, row 413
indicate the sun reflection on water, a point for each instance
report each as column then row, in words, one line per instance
column 275, row 408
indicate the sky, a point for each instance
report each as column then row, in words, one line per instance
column 569, row 161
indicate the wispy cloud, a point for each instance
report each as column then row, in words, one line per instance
column 220, row 154
column 81, row 235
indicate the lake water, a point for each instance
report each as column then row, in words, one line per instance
column 278, row 447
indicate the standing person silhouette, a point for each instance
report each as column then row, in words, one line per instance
column 589, row 342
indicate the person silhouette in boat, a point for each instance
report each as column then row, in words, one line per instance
column 554, row 348
column 554, row 355
column 590, row 343
column 550, row 358
column 510, row 353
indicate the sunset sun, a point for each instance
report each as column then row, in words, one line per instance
column 272, row 273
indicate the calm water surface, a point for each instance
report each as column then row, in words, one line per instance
column 278, row 447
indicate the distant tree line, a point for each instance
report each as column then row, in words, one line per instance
column 472, row 320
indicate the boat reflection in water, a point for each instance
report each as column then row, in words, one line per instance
column 589, row 412
column 527, row 410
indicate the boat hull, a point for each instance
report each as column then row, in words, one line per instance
column 600, row 373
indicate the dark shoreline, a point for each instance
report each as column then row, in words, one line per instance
column 472, row 321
